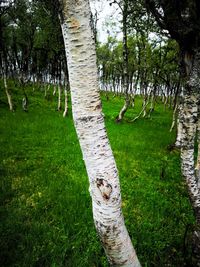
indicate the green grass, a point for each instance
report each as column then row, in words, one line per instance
column 45, row 213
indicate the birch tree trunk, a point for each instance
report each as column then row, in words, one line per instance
column 54, row 89
column 152, row 106
column 8, row 94
column 126, row 105
column 59, row 98
column 66, row 104
column 144, row 105
column 187, row 151
column 174, row 119
column 197, row 168
column 179, row 133
column 89, row 123
column 189, row 127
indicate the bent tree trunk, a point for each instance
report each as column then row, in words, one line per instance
column 89, row 123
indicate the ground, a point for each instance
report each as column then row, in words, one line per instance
column 46, row 214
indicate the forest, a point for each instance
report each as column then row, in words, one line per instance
column 99, row 139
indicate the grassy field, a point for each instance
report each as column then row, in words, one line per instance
column 45, row 212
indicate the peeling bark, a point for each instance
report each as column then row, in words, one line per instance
column 187, row 157
column 89, row 124
column 189, row 127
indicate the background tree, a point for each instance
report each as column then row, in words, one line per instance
column 181, row 19
column 4, row 47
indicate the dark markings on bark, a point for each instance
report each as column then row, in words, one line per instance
column 98, row 107
column 105, row 188
column 89, row 118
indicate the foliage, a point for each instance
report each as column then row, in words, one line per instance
column 33, row 42
column 151, row 62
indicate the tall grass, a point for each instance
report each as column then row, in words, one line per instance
column 46, row 214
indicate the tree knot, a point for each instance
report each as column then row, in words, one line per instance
column 104, row 187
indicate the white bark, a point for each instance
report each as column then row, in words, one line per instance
column 140, row 114
column 132, row 97
column 187, row 164
column 197, row 168
column 145, row 101
column 54, row 90
column 46, row 89
column 89, row 123
column 124, row 109
column 189, row 124
column 8, row 94
column 179, row 126
column 124, row 8
column 59, row 98
column 66, row 104
column 174, row 118
column 25, row 104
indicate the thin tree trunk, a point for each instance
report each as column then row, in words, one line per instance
column 175, row 105
column 124, row 109
column 174, row 118
column 45, row 90
column 145, row 101
column 152, row 106
column 24, row 100
column 125, row 64
column 66, row 104
column 197, row 168
column 33, row 82
column 59, row 98
column 179, row 133
column 89, row 123
column 142, row 111
column 54, row 89
column 24, row 104
column 9, row 98
column 132, row 99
